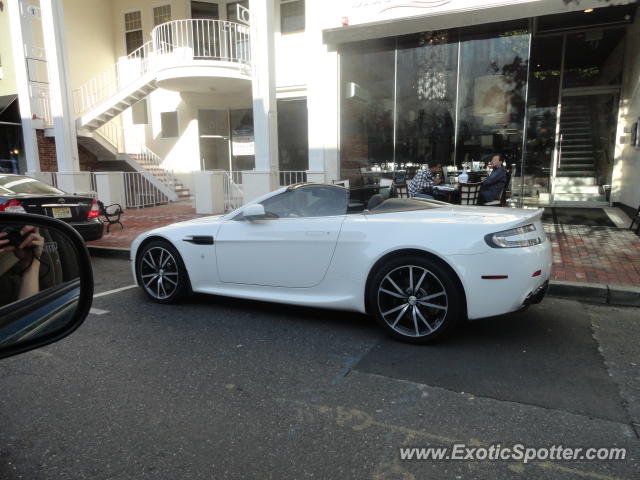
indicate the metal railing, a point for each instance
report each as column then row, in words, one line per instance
column 113, row 133
column 290, row 177
column 203, row 39
column 140, row 192
column 188, row 39
column 233, row 195
column 115, row 78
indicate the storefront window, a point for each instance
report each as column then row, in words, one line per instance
column 426, row 98
column 367, row 108
column 491, row 98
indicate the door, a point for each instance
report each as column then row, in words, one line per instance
column 294, row 248
column 213, row 130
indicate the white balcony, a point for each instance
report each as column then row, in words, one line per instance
column 202, row 56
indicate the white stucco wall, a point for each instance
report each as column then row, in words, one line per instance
column 7, row 76
column 90, row 38
column 626, row 177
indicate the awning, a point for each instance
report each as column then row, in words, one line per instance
column 454, row 14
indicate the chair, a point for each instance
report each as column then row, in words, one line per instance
column 469, row 193
column 111, row 214
column 400, row 190
column 636, row 220
column 503, row 195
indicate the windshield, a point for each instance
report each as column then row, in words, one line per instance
column 19, row 184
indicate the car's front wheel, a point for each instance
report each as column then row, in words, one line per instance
column 415, row 299
column 161, row 272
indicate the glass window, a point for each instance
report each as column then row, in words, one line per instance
column 291, row 16
column 594, row 57
column 133, row 31
column 232, row 10
column 426, row 98
column 204, row 10
column 139, row 112
column 293, row 135
column 169, row 124
column 308, row 201
column 19, row 184
column 161, row 14
column 491, row 96
column 367, row 109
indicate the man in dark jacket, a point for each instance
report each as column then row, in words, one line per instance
column 492, row 186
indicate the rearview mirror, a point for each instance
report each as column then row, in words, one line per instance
column 254, row 212
column 46, row 282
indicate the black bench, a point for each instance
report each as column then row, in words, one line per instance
column 111, row 214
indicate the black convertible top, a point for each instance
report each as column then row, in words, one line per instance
column 406, row 205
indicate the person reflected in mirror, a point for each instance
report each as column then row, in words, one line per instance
column 422, row 184
column 492, row 186
column 20, row 252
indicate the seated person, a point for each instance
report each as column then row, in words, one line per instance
column 492, row 186
column 425, row 179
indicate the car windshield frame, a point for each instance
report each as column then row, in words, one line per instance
column 9, row 181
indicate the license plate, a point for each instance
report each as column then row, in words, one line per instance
column 61, row 212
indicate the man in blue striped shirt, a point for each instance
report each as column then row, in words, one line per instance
column 424, row 179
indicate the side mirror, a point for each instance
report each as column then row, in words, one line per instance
column 46, row 282
column 254, row 212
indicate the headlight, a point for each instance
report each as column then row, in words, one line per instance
column 515, row 237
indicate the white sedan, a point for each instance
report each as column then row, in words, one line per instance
column 418, row 266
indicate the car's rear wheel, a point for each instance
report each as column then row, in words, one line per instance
column 415, row 299
column 161, row 272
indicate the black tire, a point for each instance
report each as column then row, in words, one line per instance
column 407, row 314
column 158, row 283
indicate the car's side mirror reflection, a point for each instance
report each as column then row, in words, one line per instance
column 46, row 282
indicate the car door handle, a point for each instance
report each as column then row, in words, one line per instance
column 199, row 239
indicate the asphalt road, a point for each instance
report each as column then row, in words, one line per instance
column 222, row 388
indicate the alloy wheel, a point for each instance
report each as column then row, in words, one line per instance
column 412, row 301
column 159, row 273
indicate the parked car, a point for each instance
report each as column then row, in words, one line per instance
column 418, row 266
column 22, row 194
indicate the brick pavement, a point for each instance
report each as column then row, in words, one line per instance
column 584, row 254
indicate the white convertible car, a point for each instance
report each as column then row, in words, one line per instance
column 418, row 266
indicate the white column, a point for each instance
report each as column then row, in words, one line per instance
column 20, row 31
column 322, row 97
column 265, row 116
column 64, row 124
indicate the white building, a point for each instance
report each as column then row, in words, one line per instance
column 322, row 90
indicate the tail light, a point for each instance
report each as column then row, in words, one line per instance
column 95, row 210
column 12, row 206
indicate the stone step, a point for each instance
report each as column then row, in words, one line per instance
column 577, row 173
column 590, row 189
column 578, row 197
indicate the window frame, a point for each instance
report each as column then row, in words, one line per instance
column 158, row 6
column 127, row 31
column 304, row 17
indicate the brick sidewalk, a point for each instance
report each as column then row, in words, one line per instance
column 595, row 255
column 583, row 254
column 139, row 220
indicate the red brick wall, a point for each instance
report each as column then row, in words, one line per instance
column 47, row 152
column 88, row 161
